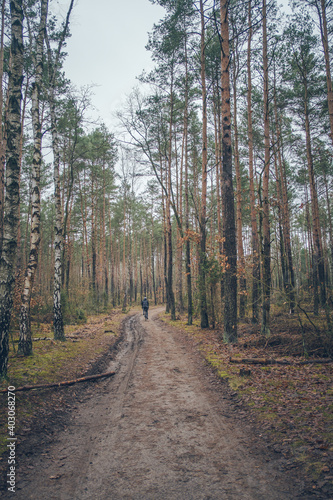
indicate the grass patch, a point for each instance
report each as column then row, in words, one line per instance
column 54, row 361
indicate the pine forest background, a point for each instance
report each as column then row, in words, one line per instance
column 212, row 195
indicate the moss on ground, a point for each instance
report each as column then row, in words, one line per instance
column 54, row 361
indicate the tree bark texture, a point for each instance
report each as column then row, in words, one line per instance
column 2, row 137
column 285, row 220
column 58, row 238
column 266, row 249
column 187, row 210
column 12, row 199
column 58, row 323
column 25, row 343
column 254, row 225
column 230, row 250
column 239, row 225
column 324, row 39
column 202, row 222
column 318, row 260
column 168, row 210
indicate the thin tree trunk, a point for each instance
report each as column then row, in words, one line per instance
column 2, row 135
column 324, row 39
column 266, row 252
column 230, row 249
column 58, row 238
column 124, row 255
column 218, row 147
column 240, row 248
column 202, row 221
column 330, row 227
column 187, row 210
column 284, row 267
column 93, row 243
column 254, row 226
column 58, row 324
column 104, row 249
column 286, row 223
column 168, row 211
column 25, row 342
column 12, row 199
column 318, row 261
column 153, row 259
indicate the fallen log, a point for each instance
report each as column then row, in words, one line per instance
column 268, row 361
column 34, row 339
column 61, row 384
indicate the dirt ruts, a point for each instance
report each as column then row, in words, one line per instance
column 159, row 429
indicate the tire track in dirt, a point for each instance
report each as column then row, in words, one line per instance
column 155, row 431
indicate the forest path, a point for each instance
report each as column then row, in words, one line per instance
column 156, row 430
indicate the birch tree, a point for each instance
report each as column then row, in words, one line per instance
column 12, row 187
column 25, row 342
column 2, row 138
column 53, row 67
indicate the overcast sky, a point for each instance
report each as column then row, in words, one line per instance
column 107, row 47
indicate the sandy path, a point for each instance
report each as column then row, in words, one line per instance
column 154, row 431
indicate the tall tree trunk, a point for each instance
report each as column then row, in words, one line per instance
column 218, row 153
column 168, row 210
column 318, row 260
column 202, row 221
column 2, row 135
column 153, row 259
column 124, row 254
column 324, row 38
column 58, row 324
column 266, row 251
column 187, row 210
column 254, row 226
column 112, row 260
column 93, row 243
column 104, row 249
column 53, row 65
column 284, row 267
column 240, row 248
column 330, row 226
column 25, row 342
column 12, row 199
column 230, row 250
column 286, row 222
column 83, row 206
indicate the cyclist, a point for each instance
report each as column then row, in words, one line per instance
column 145, row 307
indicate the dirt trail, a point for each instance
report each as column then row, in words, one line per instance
column 157, row 430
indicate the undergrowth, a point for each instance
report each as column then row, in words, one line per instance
column 53, row 361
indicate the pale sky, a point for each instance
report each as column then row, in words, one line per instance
column 107, row 48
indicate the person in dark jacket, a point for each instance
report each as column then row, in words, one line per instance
column 145, row 307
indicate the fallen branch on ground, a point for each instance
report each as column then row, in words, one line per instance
column 267, row 361
column 34, row 339
column 61, row 384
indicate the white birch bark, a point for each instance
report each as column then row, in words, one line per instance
column 58, row 239
column 25, row 342
column 2, row 140
column 12, row 185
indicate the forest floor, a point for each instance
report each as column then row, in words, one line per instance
column 167, row 426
